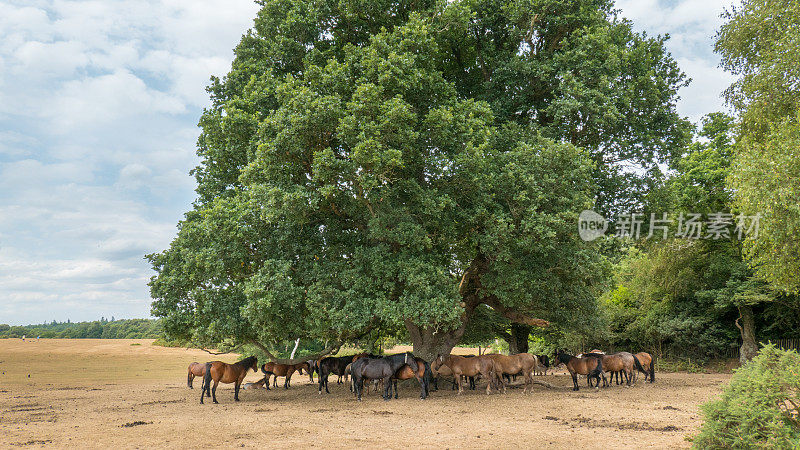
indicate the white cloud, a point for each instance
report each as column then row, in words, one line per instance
column 99, row 103
column 692, row 26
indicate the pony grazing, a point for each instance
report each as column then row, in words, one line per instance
column 543, row 365
column 422, row 374
column 196, row 369
column 282, row 370
column 647, row 362
column 512, row 365
column 380, row 368
column 469, row 367
column 592, row 367
column 219, row 371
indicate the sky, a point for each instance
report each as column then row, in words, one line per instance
column 99, row 104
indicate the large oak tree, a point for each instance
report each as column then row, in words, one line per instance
column 370, row 164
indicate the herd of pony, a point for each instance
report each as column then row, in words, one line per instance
column 495, row 369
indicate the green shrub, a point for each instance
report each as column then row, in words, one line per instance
column 759, row 406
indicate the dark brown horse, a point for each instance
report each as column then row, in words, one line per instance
column 380, row 368
column 589, row 366
column 331, row 365
column 219, row 371
column 470, row 367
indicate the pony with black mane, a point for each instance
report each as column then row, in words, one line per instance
column 219, row 371
column 331, row 365
column 591, row 367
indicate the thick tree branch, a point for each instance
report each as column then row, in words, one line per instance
column 233, row 350
column 327, row 351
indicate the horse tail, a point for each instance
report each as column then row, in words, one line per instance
column 427, row 377
column 638, row 364
column 206, row 379
column 652, row 369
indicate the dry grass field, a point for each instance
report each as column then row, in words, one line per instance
column 130, row 394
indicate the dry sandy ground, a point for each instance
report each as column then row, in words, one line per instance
column 114, row 393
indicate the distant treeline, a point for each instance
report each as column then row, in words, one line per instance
column 98, row 329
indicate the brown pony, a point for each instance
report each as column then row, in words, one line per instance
column 648, row 362
column 257, row 385
column 422, row 374
column 592, row 367
column 618, row 363
column 469, row 367
column 219, row 371
column 521, row 363
column 196, row 369
column 282, row 370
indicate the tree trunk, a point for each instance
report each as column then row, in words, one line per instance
column 747, row 328
column 429, row 344
column 294, row 350
column 519, row 338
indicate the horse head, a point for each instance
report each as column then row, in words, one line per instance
column 560, row 357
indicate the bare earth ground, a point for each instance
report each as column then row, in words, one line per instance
column 113, row 393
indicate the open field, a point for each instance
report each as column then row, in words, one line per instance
column 104, row 393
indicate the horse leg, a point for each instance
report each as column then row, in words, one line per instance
column 236, row 391
column 189, row 382
column 387, row 387
column 575, row 381
column 214, row 391
column 472, row 383
column 395, row 388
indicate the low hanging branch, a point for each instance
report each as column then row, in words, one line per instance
column 232, row 350
column 327, row 351
column 470, row 288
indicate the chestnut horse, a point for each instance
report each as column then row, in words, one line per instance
column 521, row 363
column 648, row 363
column 422, row 374
column 219, row 371
column 196, row 369
column 470, row 367
column 283, row 370
column 592, row 367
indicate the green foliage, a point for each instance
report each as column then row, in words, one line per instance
column 760, row 42
column 99, row 329
column 767, row 181
column 759, row 408
column 681, row 297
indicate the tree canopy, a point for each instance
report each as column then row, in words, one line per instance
column 393, row 165
column 761, row 44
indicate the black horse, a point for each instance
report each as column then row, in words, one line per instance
column 380, row 368
column 331, row 365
